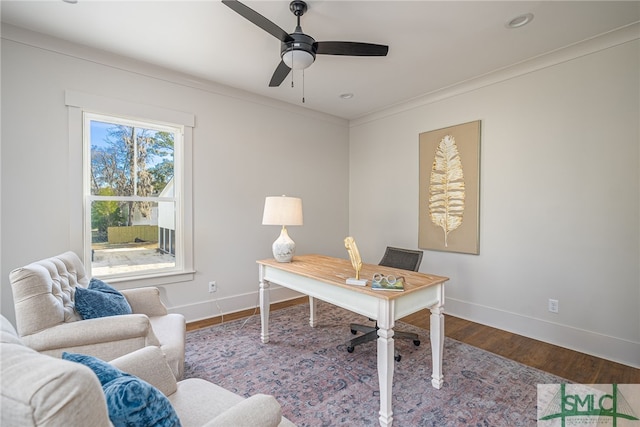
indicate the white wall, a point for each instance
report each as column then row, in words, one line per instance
column 560, row 185
column 245, row 148
column 559, row 207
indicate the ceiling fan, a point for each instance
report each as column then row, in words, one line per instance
column 298, row 50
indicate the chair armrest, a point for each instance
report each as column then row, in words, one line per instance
column 92, row 331
column 259, row 410
column 39, row 390
column 150, row 365
column 145, row 301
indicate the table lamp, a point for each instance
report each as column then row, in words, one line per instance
column 283, row 210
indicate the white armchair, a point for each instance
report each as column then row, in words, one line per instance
column 46, row 319
column 39, row 390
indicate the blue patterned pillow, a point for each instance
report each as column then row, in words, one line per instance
column 104, row 371
column 130, row 400
column 100, row 300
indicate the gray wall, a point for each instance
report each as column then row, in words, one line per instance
column 559, row 199
column 244, row 148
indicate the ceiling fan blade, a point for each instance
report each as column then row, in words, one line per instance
column 259, row 20
column 281, row 73
column 351, row 49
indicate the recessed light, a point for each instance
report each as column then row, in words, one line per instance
column 520, row 21
column 346, row 95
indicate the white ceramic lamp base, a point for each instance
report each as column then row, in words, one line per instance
column 283, row 248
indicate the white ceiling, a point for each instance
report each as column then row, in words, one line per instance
column 432, row 44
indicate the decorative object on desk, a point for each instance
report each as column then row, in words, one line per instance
column 449, row 189
column 356, row 261
column 387, row 283
column 283, row 210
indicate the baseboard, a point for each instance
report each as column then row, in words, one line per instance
column 599, row 345
column 213, row 307
column 588, row 342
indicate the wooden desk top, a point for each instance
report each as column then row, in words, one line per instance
column 337, row 270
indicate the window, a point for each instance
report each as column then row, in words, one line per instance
column 144, row 201
column 133, row 200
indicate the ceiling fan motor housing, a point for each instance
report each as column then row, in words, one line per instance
column 301, row 43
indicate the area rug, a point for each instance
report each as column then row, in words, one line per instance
column 318, row 383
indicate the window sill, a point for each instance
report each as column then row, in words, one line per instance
column 158, row 279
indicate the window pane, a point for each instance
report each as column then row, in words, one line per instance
column 127, row 237
column 119, row 153
column 155, row 161
column 112, row 155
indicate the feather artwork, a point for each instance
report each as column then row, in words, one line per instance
column 354, row 254
column 446, row 187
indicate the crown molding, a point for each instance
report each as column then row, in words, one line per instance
column 599, row 43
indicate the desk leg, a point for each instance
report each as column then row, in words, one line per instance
column 385, row 360
column 313, row 320
column 264, row 308
column 437, row 345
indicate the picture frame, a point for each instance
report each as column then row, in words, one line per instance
column 449, row 200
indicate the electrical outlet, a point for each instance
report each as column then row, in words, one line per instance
column 212, row 286
column 553, row 305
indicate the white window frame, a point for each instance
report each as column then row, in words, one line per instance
column 80, row 104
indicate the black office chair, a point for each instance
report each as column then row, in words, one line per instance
column 405, row 259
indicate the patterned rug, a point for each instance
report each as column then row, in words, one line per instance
column 318, row 383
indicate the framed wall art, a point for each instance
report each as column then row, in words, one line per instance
column 450, row 189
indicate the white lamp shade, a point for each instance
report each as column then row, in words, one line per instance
column 297, row 59
column 282, row 210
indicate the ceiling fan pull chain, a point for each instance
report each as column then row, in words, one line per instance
column 303, row 86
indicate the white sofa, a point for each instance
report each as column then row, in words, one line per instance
column 46, row 319
column 41, row 390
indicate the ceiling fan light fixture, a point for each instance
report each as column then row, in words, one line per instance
column 298, row 59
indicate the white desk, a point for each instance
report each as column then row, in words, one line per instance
column 324, row 278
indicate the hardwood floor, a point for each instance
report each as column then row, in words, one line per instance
column 572, row 365
column 565, row 363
